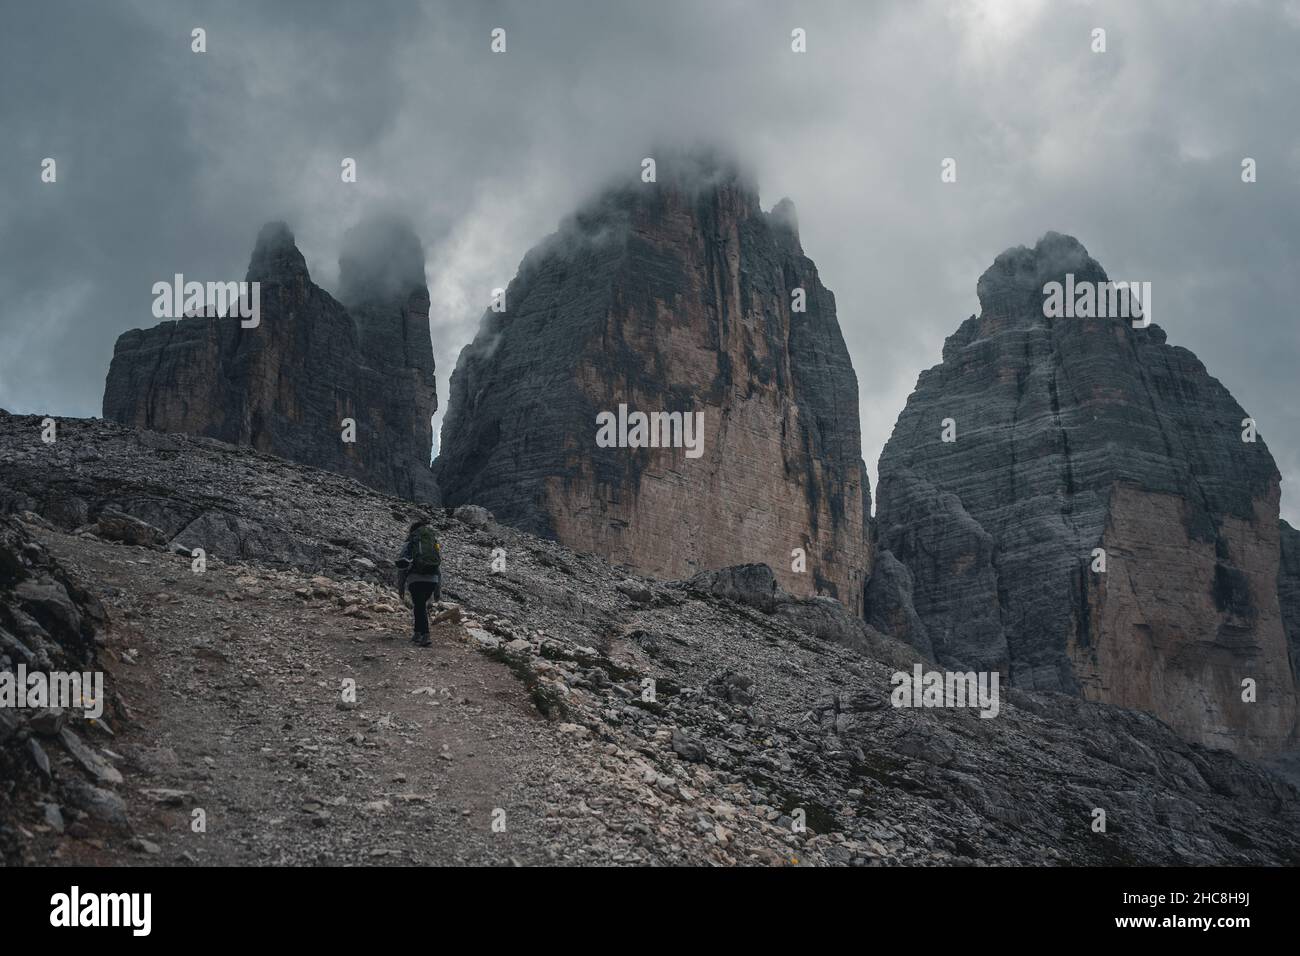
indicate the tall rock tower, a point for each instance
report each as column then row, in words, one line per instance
column 1074, row 440
column 287, row 386
column 676, row 296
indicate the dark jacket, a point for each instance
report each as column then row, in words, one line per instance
column 406, row 576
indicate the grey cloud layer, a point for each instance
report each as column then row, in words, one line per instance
column 170, row 161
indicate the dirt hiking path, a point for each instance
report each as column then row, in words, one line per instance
column 235, row 680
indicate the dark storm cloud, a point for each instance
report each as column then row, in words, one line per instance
column 170, row 161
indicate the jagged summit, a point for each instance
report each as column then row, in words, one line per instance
column 1019, row 273
column 698, row 175
column 1038, row 442
column 275, row 254
column 784, row 216
column 681, row 297
column 352, row 391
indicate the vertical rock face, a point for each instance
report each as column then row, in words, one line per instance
column 675, row 296
column 1074, row 434
column 1288, row 591
column 286, row 386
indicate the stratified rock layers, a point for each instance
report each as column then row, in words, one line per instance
column 1076, row 434
column 286, row 386
column 1288, row 592
column 676, row 296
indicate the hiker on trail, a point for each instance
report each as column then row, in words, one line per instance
column 419, row 576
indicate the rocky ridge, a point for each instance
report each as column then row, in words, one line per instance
column 50, row 624
column 751, row 723
column 287, row 386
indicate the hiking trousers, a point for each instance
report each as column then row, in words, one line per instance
column 421, row 591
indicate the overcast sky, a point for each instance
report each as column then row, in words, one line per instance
column 169, row 161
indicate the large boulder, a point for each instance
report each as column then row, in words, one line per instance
column 752, row 584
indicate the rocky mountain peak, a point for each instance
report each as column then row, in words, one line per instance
column 1074, row 505
column 702, row 170
column 785, row 219
column 696, row 182
column 349, row 390
column 275, row 255
column 1013, row 284
column 681, row 297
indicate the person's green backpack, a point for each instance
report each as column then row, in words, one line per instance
column 426, row 553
